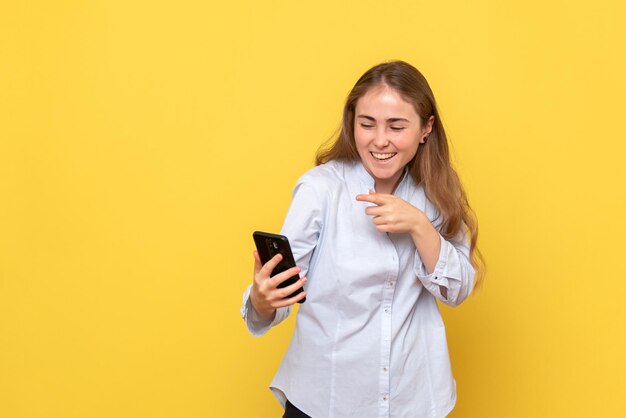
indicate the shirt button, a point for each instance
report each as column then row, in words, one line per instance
column 386, row 369
column 386, row 310
column 385, row 397
column 391, row 284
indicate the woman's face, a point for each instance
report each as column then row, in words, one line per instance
column 387, row 132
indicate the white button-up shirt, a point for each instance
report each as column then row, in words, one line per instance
column 369, row 340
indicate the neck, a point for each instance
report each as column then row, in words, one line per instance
column 388, row 187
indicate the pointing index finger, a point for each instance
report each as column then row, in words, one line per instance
column 372, row 197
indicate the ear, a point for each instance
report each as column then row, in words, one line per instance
column 429, row 125
column 427, row 129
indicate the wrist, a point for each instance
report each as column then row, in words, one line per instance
column 419, row 226
column 267, row 314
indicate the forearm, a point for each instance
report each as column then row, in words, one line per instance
column 428, row 245
column 427, row 242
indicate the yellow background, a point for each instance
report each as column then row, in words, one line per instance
column 142, row 142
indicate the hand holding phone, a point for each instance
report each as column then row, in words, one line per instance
column 276, row 280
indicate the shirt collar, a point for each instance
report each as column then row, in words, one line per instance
column 367, row 181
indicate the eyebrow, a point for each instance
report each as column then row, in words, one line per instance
column 391, row 120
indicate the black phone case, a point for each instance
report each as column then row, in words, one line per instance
column 268, row 245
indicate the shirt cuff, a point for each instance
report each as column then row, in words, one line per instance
column 437, row 276
column 453, row 271
column 256, row 325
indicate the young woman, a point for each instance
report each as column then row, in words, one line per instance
column 381, row 228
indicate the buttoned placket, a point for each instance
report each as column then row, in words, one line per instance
column 385, row 348
column 388, row 290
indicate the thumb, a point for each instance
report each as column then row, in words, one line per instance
column 257, row 261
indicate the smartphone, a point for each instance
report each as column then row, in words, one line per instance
column 268, row 245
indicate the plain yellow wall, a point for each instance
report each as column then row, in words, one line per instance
column 141, row 143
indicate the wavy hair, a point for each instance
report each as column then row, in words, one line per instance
column 431, row 165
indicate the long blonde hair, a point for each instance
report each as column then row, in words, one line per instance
column 431, row 165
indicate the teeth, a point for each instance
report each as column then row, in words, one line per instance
column 383, row 156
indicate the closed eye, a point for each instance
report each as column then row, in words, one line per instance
column 363, row 125
column 397, row 129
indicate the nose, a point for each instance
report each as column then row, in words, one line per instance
column 380, row 140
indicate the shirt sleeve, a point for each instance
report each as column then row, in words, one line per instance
column 257, row 325
column 304, row 222
column 453, row 269
column 302, row 227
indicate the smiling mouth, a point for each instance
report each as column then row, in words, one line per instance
column 383, row 157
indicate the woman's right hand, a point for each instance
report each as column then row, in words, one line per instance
column 265, row 294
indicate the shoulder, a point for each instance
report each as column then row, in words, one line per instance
column 316, row 189
column 324, row 177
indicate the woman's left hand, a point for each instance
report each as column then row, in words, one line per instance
column 392, row 214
